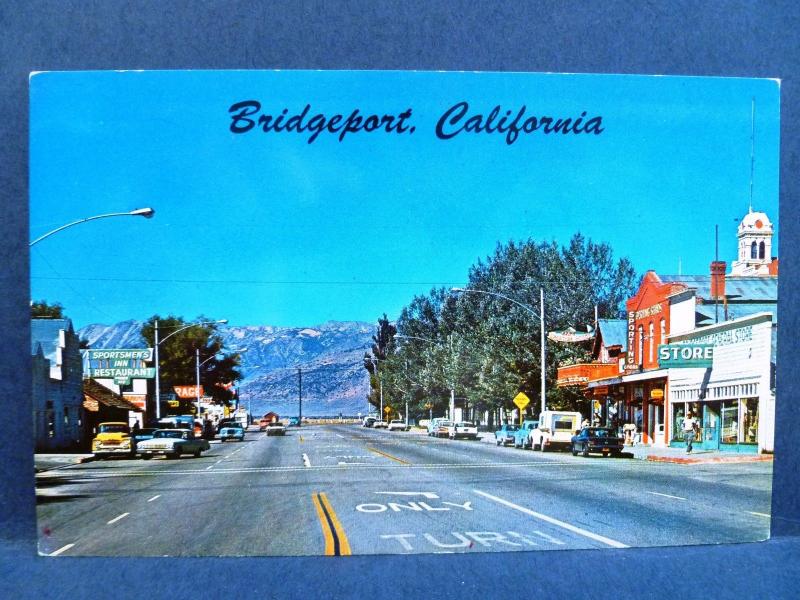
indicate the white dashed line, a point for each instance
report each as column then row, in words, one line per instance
column 210, row 467
column 666, row 496
column 60, row 550
column 156, row 497
column 115, row 519
column 552, row 521
column 758, row 514
column 306, row 462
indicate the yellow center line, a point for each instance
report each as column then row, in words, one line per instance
column 400, row 460
column 336, row 543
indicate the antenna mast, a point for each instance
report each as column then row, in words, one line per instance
column 752, row 147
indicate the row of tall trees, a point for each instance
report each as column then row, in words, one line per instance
column 483, row 348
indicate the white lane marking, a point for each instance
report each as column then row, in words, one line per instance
column 115, row 519
column 210, row 467
column 549, row 538
column 666, row 496
column 306, row 462
column 430, row 495
column 60, row 550
column 552, row 521
column 340, row 435
column 87, row 475
column 759, row 514
column 155, row 497
column 341, row 462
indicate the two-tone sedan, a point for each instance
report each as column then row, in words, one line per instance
column 463, row 429
column 600, row 440
column 172, row 443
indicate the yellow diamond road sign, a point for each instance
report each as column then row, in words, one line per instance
column 521, row 400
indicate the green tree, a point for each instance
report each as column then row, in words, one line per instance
column 383, row 346
column 177, row 356
column 41, row 309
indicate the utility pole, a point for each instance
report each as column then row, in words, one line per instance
column 541, row 326
column 300, row 396
column 158, row 386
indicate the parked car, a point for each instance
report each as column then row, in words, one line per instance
column 112, row 439
column 232, row 431
column 555, row 429
column 463, row 429
column 224, row 422
column 397, row 425
column 172, row 443
column 368, row 421
column 276, row 428
column 603, row 440
column 380, row 425
column 505, row 435
column 522, row 436
column 442, row 428
column 294, row 421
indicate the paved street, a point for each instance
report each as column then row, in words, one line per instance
column 344, row 489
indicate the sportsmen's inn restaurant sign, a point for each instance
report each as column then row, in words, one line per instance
column 120, row 365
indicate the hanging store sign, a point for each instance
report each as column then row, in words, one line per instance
column 681, row 356
column 121, row 365
column 570, row 336
column 188, row 391
column 630, row 360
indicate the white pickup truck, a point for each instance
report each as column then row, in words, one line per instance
column 555, row 430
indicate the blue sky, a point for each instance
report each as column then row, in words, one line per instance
column 266, row 229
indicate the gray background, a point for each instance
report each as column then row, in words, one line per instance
column 728, row 38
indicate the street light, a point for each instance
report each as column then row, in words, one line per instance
column 158, row 343
column 147, row 213
column 540, row 315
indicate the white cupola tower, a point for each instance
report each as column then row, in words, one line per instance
column 755, row 245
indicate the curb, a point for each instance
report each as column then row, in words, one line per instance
column 711, row 459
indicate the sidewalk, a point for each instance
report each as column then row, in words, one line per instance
column 698, row 456
column 47, row 462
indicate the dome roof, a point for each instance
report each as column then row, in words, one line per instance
column 755, row 222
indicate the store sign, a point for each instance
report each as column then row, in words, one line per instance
column 187, row 391
column 656, row 394
column 677, row 356
column 726, row 338
column 649, row 312
column 121, row 365
column 630, row 361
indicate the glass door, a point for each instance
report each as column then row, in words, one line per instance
column 711, row 422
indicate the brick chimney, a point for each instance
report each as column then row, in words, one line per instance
column 718, row 279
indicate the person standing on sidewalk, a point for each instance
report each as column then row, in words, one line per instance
column 690, row 426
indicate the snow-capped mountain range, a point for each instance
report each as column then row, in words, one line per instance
column 330, row 355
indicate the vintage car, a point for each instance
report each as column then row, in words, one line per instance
column 294, row 421
column 522, row 436
column 231, row 431
column 600, row 440
column 276, row 428
column 505, row 435
column 397, row 425
column 172, row 443
column 442, row 428
column 140, row 435
column 380, row 425
column 463, row 429
column 113, row 439
column 555, row 430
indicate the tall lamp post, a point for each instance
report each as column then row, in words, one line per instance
column 158, row 343
column 539, row 315
column 147, row 213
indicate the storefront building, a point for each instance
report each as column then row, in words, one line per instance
column 734, row 397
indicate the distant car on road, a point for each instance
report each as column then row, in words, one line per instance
column 600, row 440
column 463, row 429
column 276, row 428
column 397, row 425
column 294, row 421
column 232, row 431
column 172, row 443
column 522, row 436
column 368, row 421
column 380, row 425
column 505, row 435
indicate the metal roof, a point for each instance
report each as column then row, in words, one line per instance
column 614, row 331
column 706, row 312
column 737, row 288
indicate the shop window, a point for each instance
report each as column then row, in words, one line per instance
column 749, row 421
column 663, row 338
column 729, row 412
column 650, row 340
column 641, row 345
column 678, row 415
column 761, row 249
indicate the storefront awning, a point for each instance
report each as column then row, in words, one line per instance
column 657, row 374
column 604, row 382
